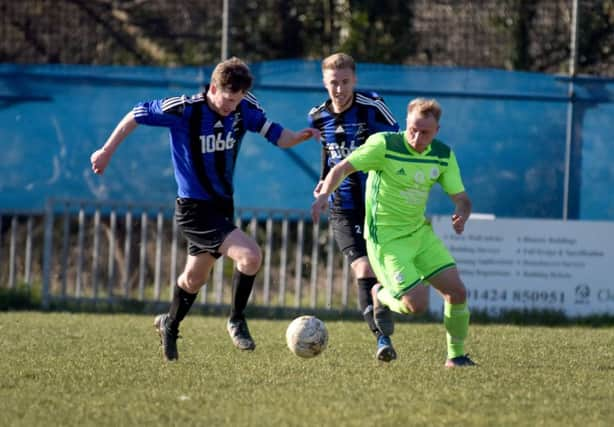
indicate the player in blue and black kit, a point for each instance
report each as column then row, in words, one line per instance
column 345, row 121
column 206, row 130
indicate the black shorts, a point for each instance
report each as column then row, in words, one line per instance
column 347, row 229
column 205, row 224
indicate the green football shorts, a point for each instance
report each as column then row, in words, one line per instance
column 401, row 264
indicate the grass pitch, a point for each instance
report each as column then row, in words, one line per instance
column 59, row 369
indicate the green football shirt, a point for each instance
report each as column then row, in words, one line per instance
column 399, row 182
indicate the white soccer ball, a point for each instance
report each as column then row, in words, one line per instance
column 307, row 336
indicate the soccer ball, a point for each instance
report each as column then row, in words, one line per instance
column 307, row 336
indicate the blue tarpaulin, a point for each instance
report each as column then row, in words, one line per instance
column 508, row 130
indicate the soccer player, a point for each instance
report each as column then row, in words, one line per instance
column 206, row 130
column 401, row 244
column 345, row 120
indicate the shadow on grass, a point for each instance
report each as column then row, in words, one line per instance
column 24, row 298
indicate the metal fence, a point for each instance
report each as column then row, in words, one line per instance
column 507, row 34
column 109, row 252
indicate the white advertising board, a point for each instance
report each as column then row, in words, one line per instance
column 533, row 264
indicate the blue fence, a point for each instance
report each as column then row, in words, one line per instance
column 509, row 130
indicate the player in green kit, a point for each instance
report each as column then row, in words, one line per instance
column 402, row 247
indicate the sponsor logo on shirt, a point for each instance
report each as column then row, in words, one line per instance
column 340, row 151
column 414, row 196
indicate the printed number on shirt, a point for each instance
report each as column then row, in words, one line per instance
column 212, row 143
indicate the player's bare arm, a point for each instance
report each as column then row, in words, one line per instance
column 101, row 157
column 461, row 212
column 290, row 138
column 317, row 188
column 334, row 177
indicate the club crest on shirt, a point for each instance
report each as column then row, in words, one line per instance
column 361, row 129
column 237, row 123
column 434, row 173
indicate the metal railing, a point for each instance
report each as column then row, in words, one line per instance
column 109, row 252
column 16, row 248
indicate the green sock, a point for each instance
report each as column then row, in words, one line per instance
column 456, row 322
column 386, row 298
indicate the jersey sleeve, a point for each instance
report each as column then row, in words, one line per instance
column 310, row 119
column 450, row 180
column 161, row 112
column 380, row 118
column 256, row 120
column 370, row 155
column 324, row 166
column 383, row 120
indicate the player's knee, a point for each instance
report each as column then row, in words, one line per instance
column 191, row 281
column 458, row 294
column 250, row 262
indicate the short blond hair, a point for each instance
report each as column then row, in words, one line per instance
column 424, row 107
column 338, row 61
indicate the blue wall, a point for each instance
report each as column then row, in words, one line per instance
column 507, row 128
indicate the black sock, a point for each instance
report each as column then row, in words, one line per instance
column 180, row 305
column 242, row 285
column 365, row 301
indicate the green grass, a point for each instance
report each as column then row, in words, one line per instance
column 99, row 369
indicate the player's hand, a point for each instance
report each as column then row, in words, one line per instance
column 318, row 206
column 308, row 133
column 458, row 223
column 316, row 191
column 100, row 159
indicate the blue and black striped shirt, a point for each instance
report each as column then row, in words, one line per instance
column 342, row 133
column 205, row 145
